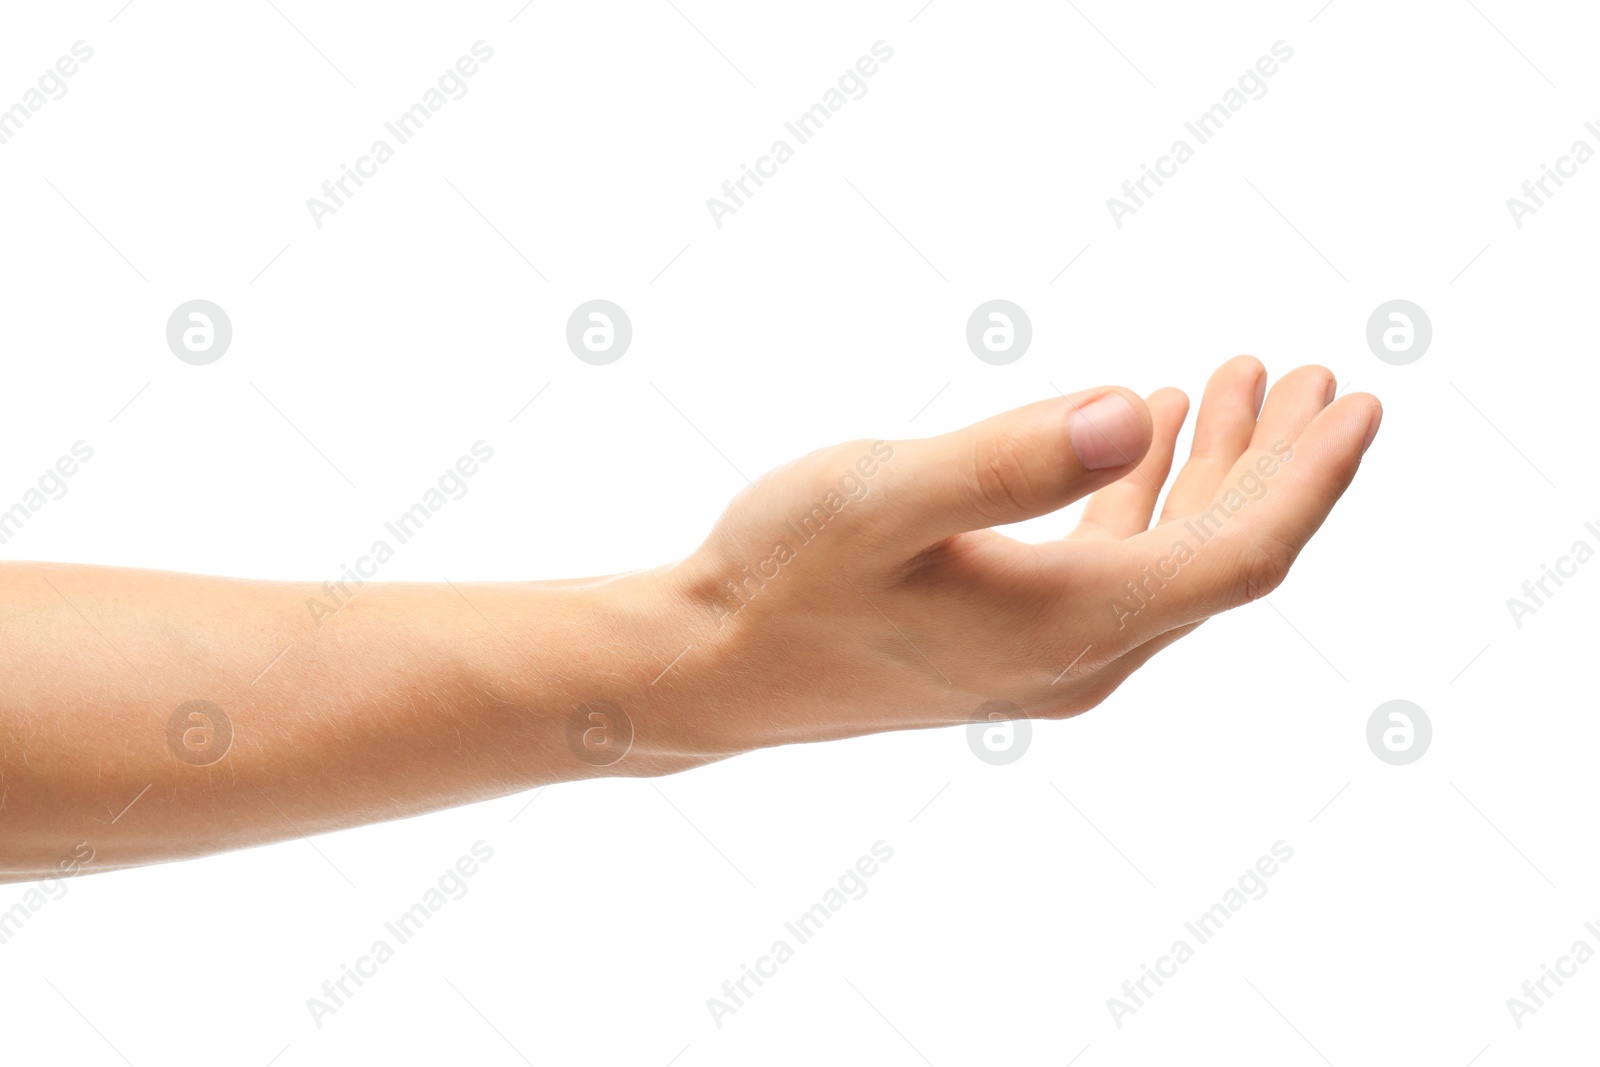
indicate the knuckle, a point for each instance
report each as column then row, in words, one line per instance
column 1263, row 566
column 1000, row 477
column 1102, row 689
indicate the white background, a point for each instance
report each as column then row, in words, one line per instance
column 426, row 313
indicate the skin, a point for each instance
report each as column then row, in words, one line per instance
column 900, row 608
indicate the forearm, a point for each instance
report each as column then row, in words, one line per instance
column 406, row 698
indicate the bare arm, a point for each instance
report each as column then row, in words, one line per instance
column 149, row 716
column 237, row 717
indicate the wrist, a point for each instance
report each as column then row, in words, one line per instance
column 632, row 678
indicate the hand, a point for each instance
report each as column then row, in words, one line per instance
column 862, row 588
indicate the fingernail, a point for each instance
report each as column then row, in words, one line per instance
column 1372, row 430
column 1107, row 432
column 1333, row 391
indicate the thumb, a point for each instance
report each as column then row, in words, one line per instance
column 1027, row 462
